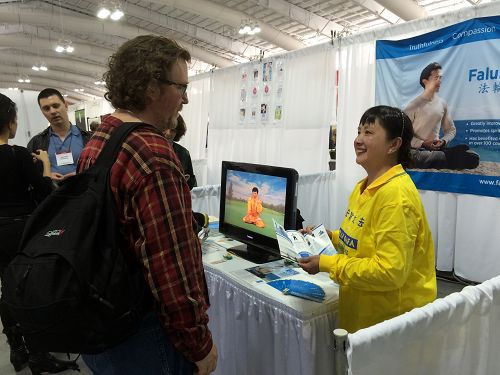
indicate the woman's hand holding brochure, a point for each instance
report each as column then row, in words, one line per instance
column 295, row 245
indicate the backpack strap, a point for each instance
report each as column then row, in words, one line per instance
column 109, row 153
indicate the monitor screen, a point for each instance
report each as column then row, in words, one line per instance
column 252, row 195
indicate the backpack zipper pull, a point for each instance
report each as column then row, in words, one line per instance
column 99, row 299
column 22, row 283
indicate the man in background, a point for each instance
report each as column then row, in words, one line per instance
column 429, row 115
column 62, row 140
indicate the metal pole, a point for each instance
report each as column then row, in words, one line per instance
column 340, row 339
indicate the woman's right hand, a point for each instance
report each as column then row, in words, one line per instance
column 41, row 155
column 310, row 264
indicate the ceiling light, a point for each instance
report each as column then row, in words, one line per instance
column 13, row 88
column 79, row 90
column 116, row 15
column 111, row 9
column 23, row 79
column 249, row 27
column 37, row 67
column 64, row 46
column 103, row 13
column 99, row 83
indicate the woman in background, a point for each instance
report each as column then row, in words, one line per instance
column 22, row 186
column 385, row 263
column 174, row 135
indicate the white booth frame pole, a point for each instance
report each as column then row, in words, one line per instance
column 340, row 341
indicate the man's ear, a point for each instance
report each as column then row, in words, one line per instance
column 152, row 92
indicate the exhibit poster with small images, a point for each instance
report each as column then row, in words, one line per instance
column 261, row 91
column 469, row 86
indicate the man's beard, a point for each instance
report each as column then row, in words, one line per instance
column 170, row 123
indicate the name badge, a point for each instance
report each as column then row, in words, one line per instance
column 64, row 158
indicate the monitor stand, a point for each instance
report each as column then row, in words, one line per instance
column 254, row 254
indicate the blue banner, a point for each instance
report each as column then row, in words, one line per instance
column 454, row 108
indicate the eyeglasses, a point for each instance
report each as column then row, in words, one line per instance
column 182, row 87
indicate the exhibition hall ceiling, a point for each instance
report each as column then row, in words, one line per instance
column 209, row 29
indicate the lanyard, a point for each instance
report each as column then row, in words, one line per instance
column 58, row 150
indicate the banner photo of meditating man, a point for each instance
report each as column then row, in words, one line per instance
column 448, row 83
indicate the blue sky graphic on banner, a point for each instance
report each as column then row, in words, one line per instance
column 469, row 53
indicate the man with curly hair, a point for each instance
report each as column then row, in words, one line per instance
column 147, row 81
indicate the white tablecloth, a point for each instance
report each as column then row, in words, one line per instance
column 259, row 330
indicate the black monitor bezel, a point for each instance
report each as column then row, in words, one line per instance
column 251, row 238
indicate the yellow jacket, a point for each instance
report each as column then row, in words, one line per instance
column 385, row 264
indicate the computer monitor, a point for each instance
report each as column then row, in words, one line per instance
column 252, row 195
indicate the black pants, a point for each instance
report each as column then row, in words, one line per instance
column 11, row 230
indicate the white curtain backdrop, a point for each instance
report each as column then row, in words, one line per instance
column 477, row 237
column 195, row 114
column 466, row 238
column 356, row 88
column 459, row 335
column 300, row 140
column 315, row 198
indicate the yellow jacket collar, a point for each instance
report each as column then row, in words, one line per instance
column 395, row 171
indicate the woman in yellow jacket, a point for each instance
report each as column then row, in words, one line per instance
column 385, row 263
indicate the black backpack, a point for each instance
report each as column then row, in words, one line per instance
column 70, row 288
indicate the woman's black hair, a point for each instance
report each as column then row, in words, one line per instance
column 396, row 124
column 180, row 129
column 8, row 111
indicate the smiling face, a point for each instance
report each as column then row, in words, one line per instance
column 55, row 111
column 374, row 152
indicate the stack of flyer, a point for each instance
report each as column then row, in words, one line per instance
column 299, row 288
column 294, row 245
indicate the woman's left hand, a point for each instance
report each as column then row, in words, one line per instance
column 310, row 264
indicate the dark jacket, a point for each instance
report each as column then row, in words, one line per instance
column 41, row 140
column 187, row 166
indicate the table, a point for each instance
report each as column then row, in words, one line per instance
column 259, row 330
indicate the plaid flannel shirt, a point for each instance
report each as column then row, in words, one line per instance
column 154, row 208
